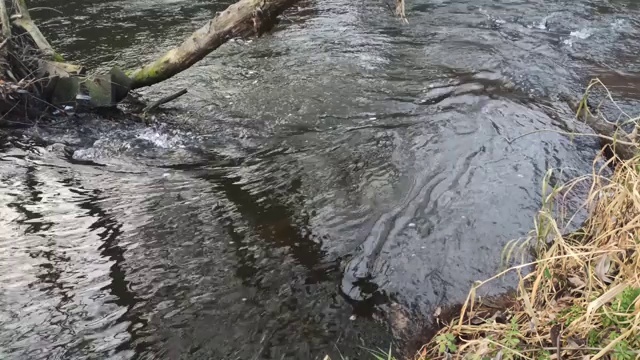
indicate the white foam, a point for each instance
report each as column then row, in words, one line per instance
column 582, row 33
column 619, row 24
column 161, row 140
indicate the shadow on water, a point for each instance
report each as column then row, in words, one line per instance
column 53, row 260
column 272, row 222
column 282, row 227
column 322, row 189
column 109, row 232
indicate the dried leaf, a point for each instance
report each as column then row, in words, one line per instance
column 602, row 269
column 483, row 348
column 576, row 282
column 573, row 343
column 500, row 317
column 437, row 312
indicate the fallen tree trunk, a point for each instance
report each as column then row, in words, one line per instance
column 35, row 61
column 50, row 82
column 242, row 19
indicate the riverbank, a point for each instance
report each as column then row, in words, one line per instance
column 580, row 298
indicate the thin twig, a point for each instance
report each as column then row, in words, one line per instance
column 165, row 100
column 617, row 141
column 573, row 349
column 46, row 8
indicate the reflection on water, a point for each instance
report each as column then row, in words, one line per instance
column 320, row 189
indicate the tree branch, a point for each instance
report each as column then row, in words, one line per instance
column 244, row 18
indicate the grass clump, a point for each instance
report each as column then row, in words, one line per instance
column 581, row 297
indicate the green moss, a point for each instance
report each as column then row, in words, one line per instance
column 57, row 57
column 148, row 75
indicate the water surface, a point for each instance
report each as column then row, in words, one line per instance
column 320, row 189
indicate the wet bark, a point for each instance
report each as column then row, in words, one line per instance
column 242, row 19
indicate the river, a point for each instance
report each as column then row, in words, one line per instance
column 320, row 190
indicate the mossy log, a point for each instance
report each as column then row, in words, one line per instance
column 244, row 18
column 60, row 84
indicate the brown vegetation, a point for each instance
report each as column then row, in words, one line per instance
column 582, row 299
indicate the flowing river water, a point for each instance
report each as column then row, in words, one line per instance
column 319, row 190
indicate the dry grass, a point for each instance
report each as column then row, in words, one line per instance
column 581, row 299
